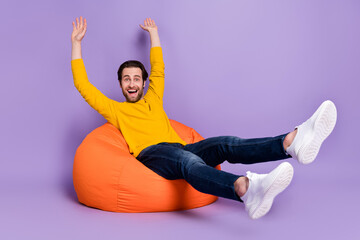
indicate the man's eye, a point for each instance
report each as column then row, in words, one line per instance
column 137, row 79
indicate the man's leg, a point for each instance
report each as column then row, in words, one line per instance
column 302, row 144
column 170, row 161
column 216, row 150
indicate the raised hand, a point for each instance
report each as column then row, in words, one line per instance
column 79, row 30
column 149, row 25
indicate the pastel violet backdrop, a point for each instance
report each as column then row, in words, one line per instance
column 245, row 68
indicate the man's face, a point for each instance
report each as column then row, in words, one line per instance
column 132, row 84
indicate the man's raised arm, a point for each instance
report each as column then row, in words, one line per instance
column 157, row 75
column 90, row 93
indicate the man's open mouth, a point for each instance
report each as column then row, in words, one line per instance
column 132, row 92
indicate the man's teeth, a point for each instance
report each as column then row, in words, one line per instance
column 132, row 91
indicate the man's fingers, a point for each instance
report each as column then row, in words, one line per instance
column 77, row 23
column 73, row 23
column 148, row 22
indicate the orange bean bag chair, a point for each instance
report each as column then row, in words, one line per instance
column 106, row 176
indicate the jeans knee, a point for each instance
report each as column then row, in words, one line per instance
column 190, row 165
column 233, row 140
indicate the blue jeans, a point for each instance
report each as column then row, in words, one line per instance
column 195, row 162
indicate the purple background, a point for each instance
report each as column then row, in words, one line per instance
column 245, row 68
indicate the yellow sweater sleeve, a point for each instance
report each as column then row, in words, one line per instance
column 97, row 100
column 157, row 75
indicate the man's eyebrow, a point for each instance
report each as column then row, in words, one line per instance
column 129, row 76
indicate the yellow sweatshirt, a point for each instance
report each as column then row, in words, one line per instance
column 143, row 123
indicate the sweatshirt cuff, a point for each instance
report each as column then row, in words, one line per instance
column 156, row 55
column 77, row 63
column 79, row 60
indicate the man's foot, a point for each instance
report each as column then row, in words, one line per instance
column 263, row 188
column 311, row 134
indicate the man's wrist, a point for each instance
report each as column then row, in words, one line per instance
column 76, row 43
column 153, row 30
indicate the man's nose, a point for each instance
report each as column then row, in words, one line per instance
column 131, row 83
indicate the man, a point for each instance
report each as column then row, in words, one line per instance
column 151, row 139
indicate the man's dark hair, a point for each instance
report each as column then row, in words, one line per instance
column 132, row 64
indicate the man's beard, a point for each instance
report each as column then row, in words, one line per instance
column 138, row 97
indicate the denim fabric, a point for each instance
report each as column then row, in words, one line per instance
column 195, row 162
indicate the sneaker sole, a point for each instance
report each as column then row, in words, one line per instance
column 284, row 174
column 323, row 126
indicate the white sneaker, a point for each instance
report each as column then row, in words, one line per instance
column 263, row 188
column 311, row 134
